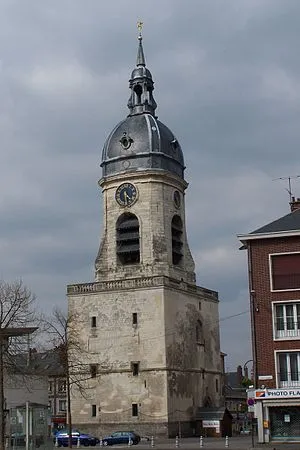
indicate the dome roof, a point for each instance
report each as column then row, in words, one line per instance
column 141, row 142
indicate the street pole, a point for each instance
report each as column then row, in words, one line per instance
column 2, row 401
column 27, row 426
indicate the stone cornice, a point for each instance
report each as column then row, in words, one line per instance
column 147, row 175
column 139, row 283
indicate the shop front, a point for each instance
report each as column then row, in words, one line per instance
column 58, row 423
column 278, row 414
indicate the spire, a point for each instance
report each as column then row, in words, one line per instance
column 140, row 59
column 141, row 84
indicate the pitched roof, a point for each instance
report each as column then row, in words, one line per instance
column 286, row 226
column 212, row 413
column 290, row 222
column 46, row 363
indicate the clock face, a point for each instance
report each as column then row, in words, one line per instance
column 176, row 198
column 126, row 194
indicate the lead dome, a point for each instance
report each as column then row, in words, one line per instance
column 141, row 141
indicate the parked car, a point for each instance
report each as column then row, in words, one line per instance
column 62, row 438
column 121, row 437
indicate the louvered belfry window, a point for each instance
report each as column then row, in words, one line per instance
column 177, row 232
column 285, row 271
column 128, row 239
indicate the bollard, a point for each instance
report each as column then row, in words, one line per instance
column 226, row 442
column 101, row 442
column 56, row 441
column 78, row 441
column 201, row 441
column 152, row 441
column 7, row 442
column 129, row 441
column 176, row 442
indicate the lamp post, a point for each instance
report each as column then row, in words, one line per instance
column 245, row 365
column 252, row 418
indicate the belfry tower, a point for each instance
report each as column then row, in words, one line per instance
column 152, row 334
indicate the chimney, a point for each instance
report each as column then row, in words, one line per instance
column 295, row 204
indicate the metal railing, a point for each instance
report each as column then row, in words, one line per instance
column 288, row 379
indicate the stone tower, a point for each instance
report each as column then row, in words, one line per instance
column 151, row 334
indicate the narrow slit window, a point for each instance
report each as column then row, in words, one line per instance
column 134, row 319
column 135, row 368
column 93, row 321
column 199, row 332
column 135, row 410
column 94, row 410
column 93, row 370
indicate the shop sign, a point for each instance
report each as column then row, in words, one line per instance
column 210, row 423
column 277, row 393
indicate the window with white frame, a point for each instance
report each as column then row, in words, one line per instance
column 288, row 364
column 287, row 320
column 62, row 405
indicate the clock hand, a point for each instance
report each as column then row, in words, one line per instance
column 126, row 197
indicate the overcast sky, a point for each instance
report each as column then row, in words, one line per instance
column 227, row 82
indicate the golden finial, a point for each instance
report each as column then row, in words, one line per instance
column 140, row 27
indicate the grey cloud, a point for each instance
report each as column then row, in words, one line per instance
column 226, row 82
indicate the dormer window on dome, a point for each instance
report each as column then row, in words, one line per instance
column 126, row 141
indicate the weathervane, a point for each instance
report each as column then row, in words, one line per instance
column 289, row 184
column 140, row 27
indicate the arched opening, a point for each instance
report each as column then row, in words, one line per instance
column 138, row 91
column 128, row 239
column 177, row 231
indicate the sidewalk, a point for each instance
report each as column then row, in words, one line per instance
column 236, row 443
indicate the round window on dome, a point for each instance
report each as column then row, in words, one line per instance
column 126, row 141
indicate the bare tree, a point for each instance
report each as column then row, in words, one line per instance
column 17, row 317
column 65, row 337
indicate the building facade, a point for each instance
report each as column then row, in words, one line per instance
column 274, row 284
column 152, row 334
column 38, row 378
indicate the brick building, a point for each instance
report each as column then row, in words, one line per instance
column 274, row 285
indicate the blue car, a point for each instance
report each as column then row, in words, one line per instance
column 121, row 437
column 62, row 439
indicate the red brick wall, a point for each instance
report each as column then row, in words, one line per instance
column 262, row 298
